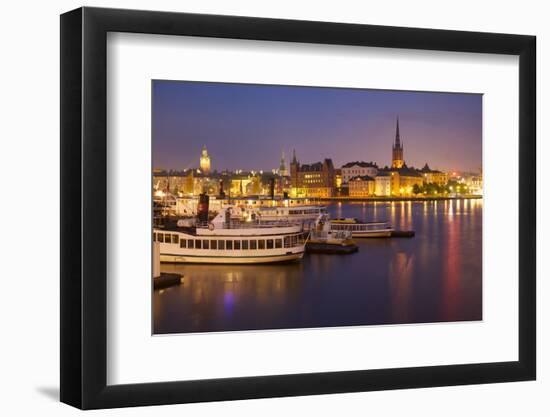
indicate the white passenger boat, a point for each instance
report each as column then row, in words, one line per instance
column 362, row 229
column 230, row 241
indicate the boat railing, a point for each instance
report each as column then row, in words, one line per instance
column 257, row 224
column 334, row 234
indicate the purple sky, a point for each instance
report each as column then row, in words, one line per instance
column 246, row 126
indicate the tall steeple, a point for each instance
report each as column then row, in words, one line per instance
column 397, row 138
column 397, row 149
column 294, row 161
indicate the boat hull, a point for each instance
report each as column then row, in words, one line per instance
column 198, row 259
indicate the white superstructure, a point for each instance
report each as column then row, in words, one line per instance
column 296, row 213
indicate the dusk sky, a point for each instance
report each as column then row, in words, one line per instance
column 248, row 126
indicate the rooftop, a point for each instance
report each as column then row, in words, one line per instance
column 361, row 164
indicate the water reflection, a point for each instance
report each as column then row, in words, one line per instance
column 435, row 276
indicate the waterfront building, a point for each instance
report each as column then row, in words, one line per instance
column 361, row 186
column 204, row 161
column 358, row 168
column 432, row 176
column 404, row 179
column 401, row 181
column 240, row 185
column 382, row 184
column 172, row 182
column 312, row 180
column 397, row 160
column 474, row 184
column 187, row 182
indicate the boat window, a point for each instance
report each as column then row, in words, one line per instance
column 261, row 244
column 244, row 244
column 221, row 244
column 175, row 239
column 287, row 241
column 237, row 244
column 293, row 240
column 278, row 243
column 205, row 244
column 160, row 237
column 198, row 244
column 269, row 244
column 213, row 244
column 190, row 243
column 154, row 237
column 253, row 244
column 167, row 238
column 183, row 243
column 229, row 244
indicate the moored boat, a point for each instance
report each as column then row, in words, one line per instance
column 324, row 240
column 231, row 241
column 362, row 229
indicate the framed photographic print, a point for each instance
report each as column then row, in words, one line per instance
column 257, row 208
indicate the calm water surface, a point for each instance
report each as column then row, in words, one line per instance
column 433, row 277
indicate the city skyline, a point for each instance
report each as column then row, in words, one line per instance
column 246, row 126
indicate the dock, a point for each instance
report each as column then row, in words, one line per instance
column 313, row 246
column 402, row 233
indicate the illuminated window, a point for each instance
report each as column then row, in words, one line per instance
column 244, row 245
column 253, row 244
column 213, row 244
column 287, row 241
column 229, row 244
column 154, row 237
column 183, row 243
column 205, row 244
column 237, row 244
column 261, row 244
column 221, row 244
column 190, row 243
column 269, row 244
column 167, row 238
column 198, row 244
column 175, row 239
column 278, row 243
column 160, row 237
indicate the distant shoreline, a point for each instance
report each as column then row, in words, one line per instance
column 397, row 199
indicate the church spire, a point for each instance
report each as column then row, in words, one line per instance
column 294, row 161
column 397, row 149
column 397, row 138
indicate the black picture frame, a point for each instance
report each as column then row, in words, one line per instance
column 84, row 207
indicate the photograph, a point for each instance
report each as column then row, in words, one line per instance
column 291, row 207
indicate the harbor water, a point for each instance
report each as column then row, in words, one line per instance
column 435, row 276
